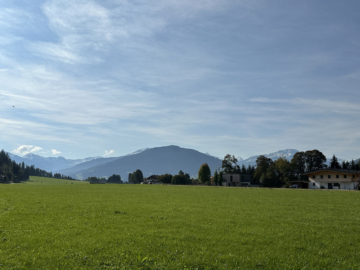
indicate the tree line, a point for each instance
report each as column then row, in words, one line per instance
column 278, row 173
column 178, row 179
column 12, row 172
column 114, row 179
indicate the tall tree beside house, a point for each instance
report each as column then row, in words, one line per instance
column 180, row 179
column 220, row 178
column 345, row 165
column 352, row 165
column 249, row 169
column 204, row 174
column 298, row 165
column 334, row 163
column 271, row 178
column 307, row 161
column 314, row 160
column 130, row 178
column 283, row 170
column 229, row 164
column 243, row 169
column 262, row 165
column 266, row 172
column 137, row 177
column 165, row 178
column 216, row 178
column 357, row 165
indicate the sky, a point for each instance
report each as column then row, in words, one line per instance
column 86, row 78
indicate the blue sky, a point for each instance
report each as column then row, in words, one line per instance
column 93, row 78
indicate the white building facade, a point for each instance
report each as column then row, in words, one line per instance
column 333, row 179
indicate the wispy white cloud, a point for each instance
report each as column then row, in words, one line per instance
column 228, row 74
column 11, row 18
column 55, row 152
column 324, row 105
column 26, row 149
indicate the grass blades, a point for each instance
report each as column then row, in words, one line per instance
column 80, row 226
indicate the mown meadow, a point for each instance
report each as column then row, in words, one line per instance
column 60, row 224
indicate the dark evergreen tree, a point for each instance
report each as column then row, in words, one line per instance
column 216, row 178
column 249, row 169
column 334, row 163
column 115, row 179
column 352, row 165
column 165, row 178
column 179, row 180
column 243, row 169
column 220, row 178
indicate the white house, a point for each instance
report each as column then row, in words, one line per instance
column 333, row 179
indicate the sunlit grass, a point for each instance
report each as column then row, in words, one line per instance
column 65, row 226
column 34, row 180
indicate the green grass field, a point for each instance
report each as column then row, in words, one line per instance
column 82, row 226
column 51, row 181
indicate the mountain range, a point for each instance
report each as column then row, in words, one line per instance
column 158, row 160
column 50, row 164
column 288, row 154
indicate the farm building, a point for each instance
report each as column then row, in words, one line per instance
column 237, row 180
column 152, row 180
column 333, row 179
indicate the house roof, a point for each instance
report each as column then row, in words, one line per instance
column 332, row 170
column 155, row 177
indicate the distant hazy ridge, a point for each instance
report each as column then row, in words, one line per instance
column 159, row 160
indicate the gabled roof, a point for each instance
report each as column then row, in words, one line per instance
column 333, row 170
column 154, row 176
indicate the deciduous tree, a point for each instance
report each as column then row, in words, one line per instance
column 204, row 174
column 165, row 178
column 229, row 164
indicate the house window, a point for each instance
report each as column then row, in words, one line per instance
column 313, row 184
column 345, row 176
column 337, row 176
column 231, row 178
column 329, row 176
column 314, row 176
column 321, row 176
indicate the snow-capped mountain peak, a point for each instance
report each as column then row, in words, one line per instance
column 287, row 153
